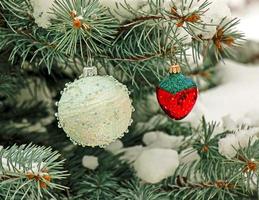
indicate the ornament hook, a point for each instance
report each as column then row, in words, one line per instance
column 175, row 69
column 89, row 71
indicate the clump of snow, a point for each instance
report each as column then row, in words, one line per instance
column 115, row 147
column 229, row 145
column 154, row 165
column 35, row 168
column 90, row 162
column 183, row 7
column 120, row 8
column 158, row 139
column 41, row 12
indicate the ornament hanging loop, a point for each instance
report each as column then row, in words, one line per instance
column 89, row 71
column 175, row 69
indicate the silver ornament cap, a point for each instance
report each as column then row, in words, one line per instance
column 89, row 71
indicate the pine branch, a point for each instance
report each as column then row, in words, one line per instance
column 99, row 186
column 8, row 85
column 215, row 176
column 223, row 42
column 78, row 30
column 29, row 172
column 135, row 190
column 135, row 47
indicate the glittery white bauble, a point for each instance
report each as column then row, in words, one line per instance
column 95, row 110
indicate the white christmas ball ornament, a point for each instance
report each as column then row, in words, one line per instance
column 94, row 110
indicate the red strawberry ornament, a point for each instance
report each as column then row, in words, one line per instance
column 177, row 94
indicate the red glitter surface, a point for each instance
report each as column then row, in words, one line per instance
column 179, row 105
